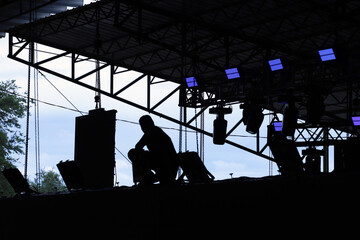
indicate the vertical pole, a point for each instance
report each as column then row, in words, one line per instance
column 202, row 143
column 326, row 150
column 148, row 92
column 112, row 73
column 31, row 60
column 185, row 119
column 73, row 60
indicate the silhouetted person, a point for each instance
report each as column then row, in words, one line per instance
column 161, row 156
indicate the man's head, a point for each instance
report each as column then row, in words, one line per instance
column 146, row 123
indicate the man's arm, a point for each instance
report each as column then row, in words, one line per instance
column 141, row 144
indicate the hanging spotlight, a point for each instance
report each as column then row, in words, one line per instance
column 220, row 124
column 252, row 117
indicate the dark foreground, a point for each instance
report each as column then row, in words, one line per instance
column 287, row 207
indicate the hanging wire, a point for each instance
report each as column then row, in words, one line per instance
column 31, row 49
column 197, row 137
column 82, row 113
column 27, row 120
column 37, row 123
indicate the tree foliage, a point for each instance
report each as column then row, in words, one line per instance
column 49, row 182
column 12, row 108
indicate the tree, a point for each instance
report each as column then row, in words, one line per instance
column 50, row 181
column 12, row 108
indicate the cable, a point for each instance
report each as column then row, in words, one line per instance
column 37, row 123
column 61, row 93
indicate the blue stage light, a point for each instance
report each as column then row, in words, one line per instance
column 275, row 64
column 356, row 120
column 278, row 126
column 232, row 73
column 191, row 82
column 327, row 54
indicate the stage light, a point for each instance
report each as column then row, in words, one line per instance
column 191, row 82
column 356, row 120
column 327, row 54
column 275, row 64
column 252, row 117
column 220, row 124
column 232, row 73
column 278, row 126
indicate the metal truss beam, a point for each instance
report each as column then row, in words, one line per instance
column 21, row 46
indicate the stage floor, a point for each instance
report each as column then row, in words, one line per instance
column 233, row 208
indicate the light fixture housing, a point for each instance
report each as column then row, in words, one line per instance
column 232, row 73
column 191, row 82
column 356, row 120
column 327, row 54
column 275, row 64
column 277, row 126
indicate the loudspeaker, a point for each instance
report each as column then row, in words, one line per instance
column 95, row 148
column 71, row 174
column 193, row 168
column 286, row 155
column 17, row 181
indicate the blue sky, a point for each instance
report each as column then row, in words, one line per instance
column 57, row 126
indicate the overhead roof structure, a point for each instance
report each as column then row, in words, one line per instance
column 177, row 39
column 17, row 12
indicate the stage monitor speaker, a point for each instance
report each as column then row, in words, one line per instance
column 17, row 181
column 286, row 156
column 95, row 148
column 71, row 175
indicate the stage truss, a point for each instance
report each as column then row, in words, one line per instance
column 166, row 41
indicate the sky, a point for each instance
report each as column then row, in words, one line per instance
column 57, row 125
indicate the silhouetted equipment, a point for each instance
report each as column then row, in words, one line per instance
column 347, row 155
column 252, row 117
column 17, row 181
column 312, row 160
column 205, row 69
column 95, row 148
column 220, row 124
column 285, row 153
column 141, row 166
column 290, row 120
column 193, row 168
column 71, row 174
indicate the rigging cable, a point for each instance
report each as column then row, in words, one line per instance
column 37, row 124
